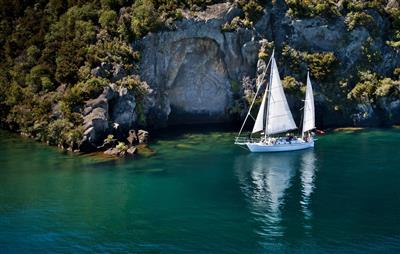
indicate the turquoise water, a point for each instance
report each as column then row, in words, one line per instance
column 201, row 194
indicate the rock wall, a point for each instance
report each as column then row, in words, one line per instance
column 191, row 68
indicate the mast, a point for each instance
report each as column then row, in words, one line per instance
column 309, row 108
column 269, row 95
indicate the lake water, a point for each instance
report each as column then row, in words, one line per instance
column 201, row 194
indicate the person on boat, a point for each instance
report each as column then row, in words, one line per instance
column 306, row 137
column 289, row 138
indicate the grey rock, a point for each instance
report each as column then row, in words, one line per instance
column 143, row 136
column 99, row 72
column 114, row 152
column 115, row 105
column 233, row 11
column 118, row 73
column 393, row 4
column 132, row 137
column 131, row 151
column 123, row 110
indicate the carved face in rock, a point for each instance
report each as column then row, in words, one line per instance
column 197, row 81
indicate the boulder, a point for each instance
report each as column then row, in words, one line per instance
column 114, row 152
column 143, row 136
column 131, row 151
column 132, row 137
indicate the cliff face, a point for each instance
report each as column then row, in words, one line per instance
column 192, row 68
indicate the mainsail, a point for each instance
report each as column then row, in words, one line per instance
column 279, row 118
column 309, row 111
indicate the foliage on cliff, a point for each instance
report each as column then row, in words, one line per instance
column 50, row 50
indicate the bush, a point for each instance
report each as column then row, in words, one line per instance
column 370, row 88
column 292, row 86
column 307, row 8
column 321, row 64
column 144, row 17
column 122, row 147
column 133, row 83
column 354, row 19
column 108, row 19
column 75, row 96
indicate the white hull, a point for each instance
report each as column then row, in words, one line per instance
column 262, row 147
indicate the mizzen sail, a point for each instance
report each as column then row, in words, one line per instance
column 309, row 110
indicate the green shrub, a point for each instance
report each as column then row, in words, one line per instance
column 354, row 19
column 252, row 9
column 321, row 65
column 292, row 86
column 109, row 138
column 370, row 54
column 144, row 17
column 108, row 19
column 371, row 87
column 133, row 83
column 75, row 96
column 310, row 8
column 122, row 147
column 37, row 76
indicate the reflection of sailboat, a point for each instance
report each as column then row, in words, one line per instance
column 307, row 169
column 264, row 181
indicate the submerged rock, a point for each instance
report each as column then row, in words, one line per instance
column 145, row 150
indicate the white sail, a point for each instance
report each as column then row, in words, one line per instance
column 260, row 120
column 279, row 118
column 309, row 110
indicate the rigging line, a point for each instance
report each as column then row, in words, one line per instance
column 252, row 103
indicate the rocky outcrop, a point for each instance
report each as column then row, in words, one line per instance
column 113, row 112
column 137, row 143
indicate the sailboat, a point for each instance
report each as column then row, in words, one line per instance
column 274, row 117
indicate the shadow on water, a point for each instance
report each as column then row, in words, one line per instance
column 179, row 131
column 265, row 179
